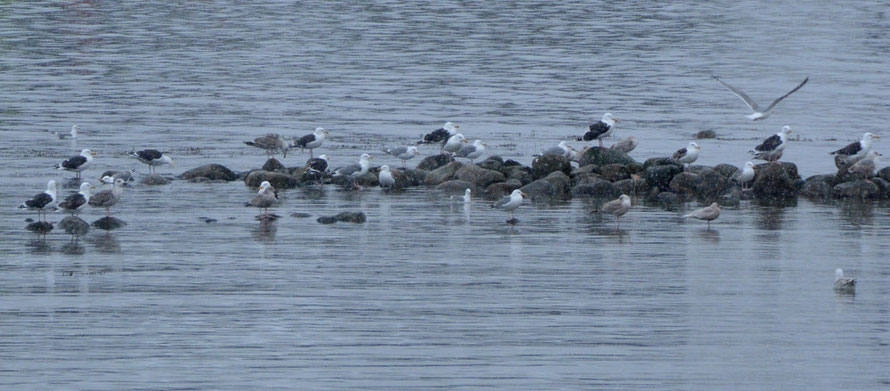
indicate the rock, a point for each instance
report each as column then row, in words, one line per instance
column 668, row 200
column 857, row 189
column 884, row 174
column 300, row 215
column 455, row 187
column 713, row 184
column 561, row 182
column 588, row 169
column 883, row 186
column 817, row 189
column 154, row 180
column 307, row 177
column 631, row 186
column 685, row 184
column 727, row 170
column 635, row 168
column 661, row 175
column 586, row 178
column 479, row 176
column 540, row 190
column 520, row 173
column 614, row 172
column 544, row 165
column 274, row 165
column 830, row 179
column 39, row 227
column 369, row 179
column 600, row 189
column 495, row 163
column 433, row 162
column 511, row 163
column 415, row 177
column 706, row 134
column 443, row 173
column 327, row 219
column 775, row 181
column 276, row 179
column 660, row 161
column 74, row 225
column 211, row 172
column 602, row 156
column 403, row 180
column 732, row 197
column 351, row 217
column 699, row 169
column 498, row 190
column 108, row 223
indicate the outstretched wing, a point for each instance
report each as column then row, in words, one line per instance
column 741, row 94
column 775, row 102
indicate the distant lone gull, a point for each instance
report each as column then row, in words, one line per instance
column 712, row 212
column 70, row 135
column 687, row 155
column 385, row 177
column 626, row 145
column 771, row 148
column 617, row 207
column 843, row 284
column 312, row 141
column 472, row 152
column 108, row 198
column 563, row 149
column 454, row 143
column 75, row 202
column 355, row 170
column 78, row 163
column 510, row 202
column 745, row 175
column 759, row 114
column 42, row 201
column 440, row 135
column 152, row 158
column 264, row 198
column 403, row 153
column 854, row 152
column 271, row 143
column 601, row 129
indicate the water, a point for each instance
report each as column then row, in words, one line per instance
column 427, row 294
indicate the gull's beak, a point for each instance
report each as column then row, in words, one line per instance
column 92, row 186
column 464, row 141
column 370, row 157
column 524, row 195
column 325, row 131
column 456, row 126
column 876, row 136
column 616, row 119
column 92, row 153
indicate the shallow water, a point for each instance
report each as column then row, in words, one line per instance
column 428, row 294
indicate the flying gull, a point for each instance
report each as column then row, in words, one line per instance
column 264, row 198
column 854, row 152
column 600, row 129
column 153, row 158
column 626, row 145
column 758, row 113
column 440, row 135
column 42, row 201
column 78, row 163
column 712, row 212
column 271, row 142
column 355, row 170
column 771, row 148
column 108, row 198
column 510, row 202
column 454, row 143
column 75, row 202
column 385, row 177
column 617, row 207
column 843, row 284
column 312, row 141
column 403, row 153
column 687, row 155
column 472, row 152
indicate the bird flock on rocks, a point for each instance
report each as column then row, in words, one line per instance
column 858, row 157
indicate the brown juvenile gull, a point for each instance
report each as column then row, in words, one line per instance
column 152, row 158
column 687, row 155
column 854, row 152
column 74, row 202
column 626, row 145
column 617, row 207
column 42, row 201
column 843, row 284
column 600, row 129
column 771, row 148
column 712, row 212
column 271, row 142
column 312, row 141
column 264, row 198
column 78, row 163
column 867, row 165
column 758, row 113
column 510, row 202
column 108, row 198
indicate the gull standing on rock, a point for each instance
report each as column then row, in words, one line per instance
column 454, row 143
column 564, row 149
column 152, row 158
column 854, row 152
column 78, row 163
column 271, row 142
column 440, row 135
column 771, row 148
column 601, row 129
column 355, row 170
column 843, row 284
column 745, row 175
column 626, row 145
column 74, row 202
column 108, row 198
column 758, row 113
column 508, row 203
column 472, row 152
column 617, row 207
column 687, row 155
column 312, row 141
column 42, row 201
column 385, row 177
column 867, row 165
column 403, row 153
column 712, row 212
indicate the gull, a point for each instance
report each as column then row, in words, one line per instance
column 42, row 201
column 152, row 158
column 617, row 207
column 771, row 148
column 385, row 177
column 687, row 155
column 78, row 163
column 712, row 212
column 843, row 284
column 312, row 141
column 510, row 202
column 472, row 152
column 626, row 145
column 758, row 113
column 271, row 142
column 600, row 129
column 403, row 153
column 745, row 175
column 854, row 152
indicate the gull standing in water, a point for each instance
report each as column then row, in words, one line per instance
column 759, row 113
column 74, row 202
column 272, row 143
column 42, row 201
column 617, row 207
column 843, row 284
column 712, row 212
column 78, row 163
column 152, row 158
column 510, row 202
column 264, row 198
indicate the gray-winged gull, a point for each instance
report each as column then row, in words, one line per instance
column 108, row 198
column 78, row 163
column 601, row 129
column 759, row 114
column 271, row 143
column 867, row 164
column 510, row 202
column 403, row 153
column 385, row 177
column 854, row 152
column 563, row 149
column 108, row 177
column 70, row 135
column 312, row 141
column 687, row 155
column 355, row 170
column 626, row 144
column 709, row 213
column 152, row 158
column 472, row 152
column 745, row 175
column 843, row 284
column 454, row 143
column 771, row 148
column 617, row 207
column 42, row 201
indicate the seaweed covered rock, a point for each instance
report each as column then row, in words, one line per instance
column 598, row 189
column 433, row 162
column 727, row 170
column 686, row 184
column 154, row 180
column 443, row 173
column 276, row 179
column 477, row 175
column 602, row 156
column 614, row 172
column 520, row 173
column 498, row 190
column 109, row 223
column 561, row 182
column 495, row 163
column 540, row 190
column 209, row 172
column 546, row 164
column 74, row 226
column 776, row 181
column 660, row 176
column 274, row 165
column 456, row 187
column 857, row 189
column 817, row 189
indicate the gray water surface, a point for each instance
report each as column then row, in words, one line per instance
column 429, row 294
